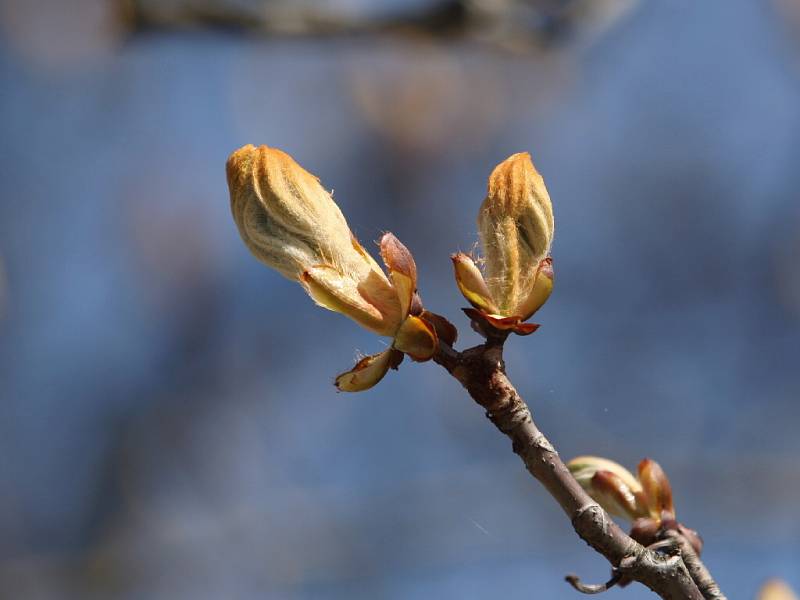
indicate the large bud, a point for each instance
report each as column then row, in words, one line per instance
column 290, row 223
column 515, row 225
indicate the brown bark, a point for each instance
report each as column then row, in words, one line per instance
column 481, row 371
column 700, row 574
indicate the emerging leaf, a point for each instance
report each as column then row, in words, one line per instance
column 369, row 371
column 657, row 490
column 614, row 495
column 471, row 283
column 540, row 292
column 417, row 338
column 402, row 269
column 331, row 290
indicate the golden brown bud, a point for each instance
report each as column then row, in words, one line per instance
column 290, row 223
column 515, row 225
column 285, row 217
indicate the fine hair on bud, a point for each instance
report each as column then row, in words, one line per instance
column 516, row 226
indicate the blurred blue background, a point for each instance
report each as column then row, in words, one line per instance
column 169, row 428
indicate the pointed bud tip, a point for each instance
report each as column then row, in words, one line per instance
column 396, row 256
column 241, row 160
column 238, row 164
column 519, row 158
column 657, row 489
column 240, row 153
column 516, row 168
column 516, row 158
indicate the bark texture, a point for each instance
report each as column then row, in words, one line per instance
column 700, row 574
column 481, row 371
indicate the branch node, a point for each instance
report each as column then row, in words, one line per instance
column 589, row 519
column 541, row 442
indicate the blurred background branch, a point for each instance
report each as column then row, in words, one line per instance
column 511, row 24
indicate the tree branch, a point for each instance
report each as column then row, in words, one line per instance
column 481, row 371
column 700, row 574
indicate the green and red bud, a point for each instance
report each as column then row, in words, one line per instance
column 611, row 485
column 646, row 499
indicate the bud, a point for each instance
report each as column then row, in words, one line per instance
column 611, row 485
column 776, row 589
column 472, row 284
column 657, row 490
column 646, row 500
column 645, row 530
column 515, row 225
column 290, row 223
column 369, row 371
column 285, row 217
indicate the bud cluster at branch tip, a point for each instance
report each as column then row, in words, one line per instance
column 291, row 223
column 515, row 226
column 645, row 499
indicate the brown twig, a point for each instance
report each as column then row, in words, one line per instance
column 481, row 371
column 593, row 588
column 700, row 574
